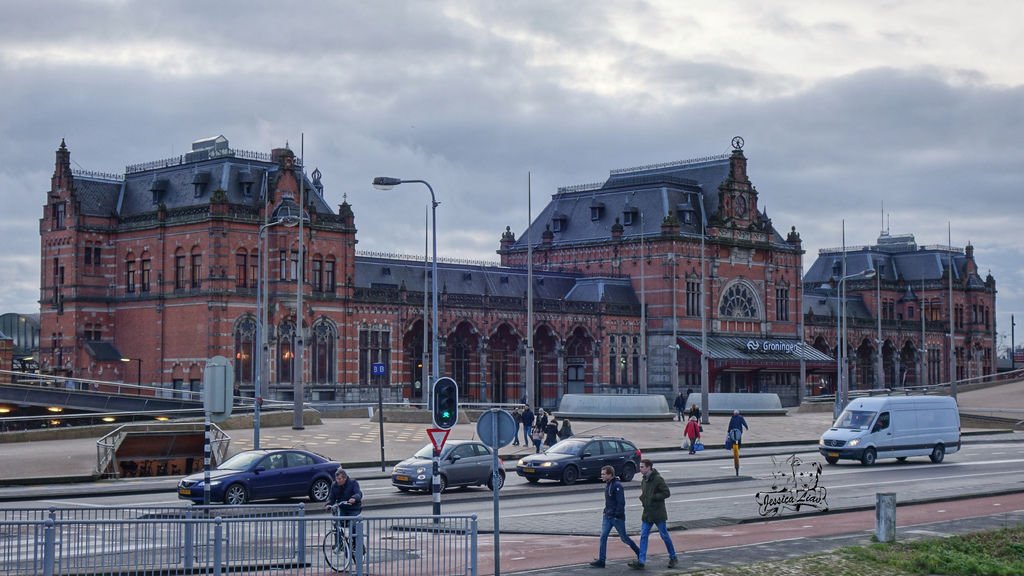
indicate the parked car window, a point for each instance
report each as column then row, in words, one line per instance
column 464, row 451
column 481, row 450
column 274, row 462
column 296, row 459
column 593, row 448
column 609, row 447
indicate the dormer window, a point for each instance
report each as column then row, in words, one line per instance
column 199, row 182
column 596, row 211
column 157, row 188
column 504, row 280
column 467, row 276
column 385, row 271
column 245, row 181
column 629, row 216
column 559, row 223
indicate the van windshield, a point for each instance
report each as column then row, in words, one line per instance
column 855, row 419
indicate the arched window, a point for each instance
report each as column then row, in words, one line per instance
column 324, row 338
column 285, row 351
column 245, row 350
column 738, row 302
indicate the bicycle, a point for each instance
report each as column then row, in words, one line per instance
column 337, row 547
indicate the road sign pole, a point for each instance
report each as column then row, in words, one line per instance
column 437, row 438
column 435, row 484
column 495, row 478
column 380, row 414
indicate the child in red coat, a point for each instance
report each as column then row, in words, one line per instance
column 692, row 432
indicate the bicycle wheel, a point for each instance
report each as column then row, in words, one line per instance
column 337, row 551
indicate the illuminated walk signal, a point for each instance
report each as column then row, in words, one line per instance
column 446, row 403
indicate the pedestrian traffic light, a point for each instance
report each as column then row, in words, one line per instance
column 446, row 403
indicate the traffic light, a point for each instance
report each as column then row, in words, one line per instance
column 446, row 403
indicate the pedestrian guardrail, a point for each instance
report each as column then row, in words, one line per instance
column 196, row 543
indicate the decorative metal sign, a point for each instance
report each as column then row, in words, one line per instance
column 771, row 346
column 795, row 484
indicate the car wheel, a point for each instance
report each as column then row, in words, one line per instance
column 831, row 459
column 320, row 490
column 869, row 456
column 938, row 453
column 628, row 471
column 569, row 475
column 501, row 481
column 444, row 482
column 235, row 495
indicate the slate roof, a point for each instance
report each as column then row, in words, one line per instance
column 97, row 197
column 654, row 192
column 176, row 179
column 651, row 191
column 495, row 280
column 908, row 262
column 899, row 258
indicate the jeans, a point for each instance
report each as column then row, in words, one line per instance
column 526, row 434
column 645, row 532
column 620, row 527
column 515, row 437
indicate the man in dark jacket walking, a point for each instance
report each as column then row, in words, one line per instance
column 614, row 515
column 653, row 493
column 527, row 419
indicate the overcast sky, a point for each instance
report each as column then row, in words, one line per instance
column 903, row 115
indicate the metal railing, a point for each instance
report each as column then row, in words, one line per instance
column 106, row 447
column 190, row 541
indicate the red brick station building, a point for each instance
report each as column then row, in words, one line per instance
column 147, row 274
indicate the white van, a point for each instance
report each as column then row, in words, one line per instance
column 893, row 427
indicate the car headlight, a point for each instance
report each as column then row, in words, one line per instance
column 214, row 482
column 547, row 464
column 854, row 442
column 522, row 462
column 821, row 441
column 421, row 470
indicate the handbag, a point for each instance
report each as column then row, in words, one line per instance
column 698, row 446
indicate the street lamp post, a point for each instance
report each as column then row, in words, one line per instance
column 138, row 374
column 386, row 183
column 842, row 390
column 261, row 308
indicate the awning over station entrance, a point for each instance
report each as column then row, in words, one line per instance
column 753, row 351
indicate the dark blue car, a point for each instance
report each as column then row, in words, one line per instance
column 263, row 475
column 581, row 458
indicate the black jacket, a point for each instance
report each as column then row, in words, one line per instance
column 614, row 500
column 340, row 495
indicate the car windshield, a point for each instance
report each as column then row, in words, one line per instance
column 425, row 452
column 570, row 447
column 855, row 419
column 241, row 461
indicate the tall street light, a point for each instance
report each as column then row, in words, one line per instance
column 287, row 221
column 842, row 390
column 138, row 374
column 386, row 183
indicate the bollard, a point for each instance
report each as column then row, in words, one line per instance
column 885, row 516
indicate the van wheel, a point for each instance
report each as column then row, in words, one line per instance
column 938, row 453
column 869, row 457
column 831, row 460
